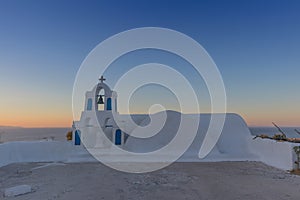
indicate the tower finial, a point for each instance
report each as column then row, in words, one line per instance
column 102, row 79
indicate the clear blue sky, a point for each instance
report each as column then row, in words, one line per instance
column 255, row 44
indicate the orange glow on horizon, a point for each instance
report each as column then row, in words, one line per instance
column 281, row 119
column 38, row 122
column 36, row 118
column 58, row 117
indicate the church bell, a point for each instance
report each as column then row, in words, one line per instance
column 100, row 100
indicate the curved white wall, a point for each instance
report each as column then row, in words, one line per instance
column 37, row 151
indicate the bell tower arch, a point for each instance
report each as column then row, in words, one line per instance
column 100, row 96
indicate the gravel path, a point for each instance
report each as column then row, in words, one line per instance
column 222, row 180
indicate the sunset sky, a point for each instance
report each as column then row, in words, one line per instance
column 255, row 45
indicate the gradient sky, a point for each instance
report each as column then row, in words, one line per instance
column 255, row 45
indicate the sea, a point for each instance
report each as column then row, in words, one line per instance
column 8, row 134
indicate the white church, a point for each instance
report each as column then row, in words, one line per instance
column 234, row 144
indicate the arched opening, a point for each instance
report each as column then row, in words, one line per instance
column 108, row 104
column 108, row 122
column 101, row 99
column 102, row 95
column 118, row 137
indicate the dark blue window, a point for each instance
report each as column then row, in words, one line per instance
column 108, row 104
column 118, row 138
column 89, row 104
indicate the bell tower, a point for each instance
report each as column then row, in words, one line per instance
column 101, row 96
column 100, row 109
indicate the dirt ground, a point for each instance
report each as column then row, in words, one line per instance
column 90, row 181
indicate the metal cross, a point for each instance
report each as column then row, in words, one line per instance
column 102, row 79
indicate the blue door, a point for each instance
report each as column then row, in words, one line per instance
column 118, row 137
column 77, row 137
